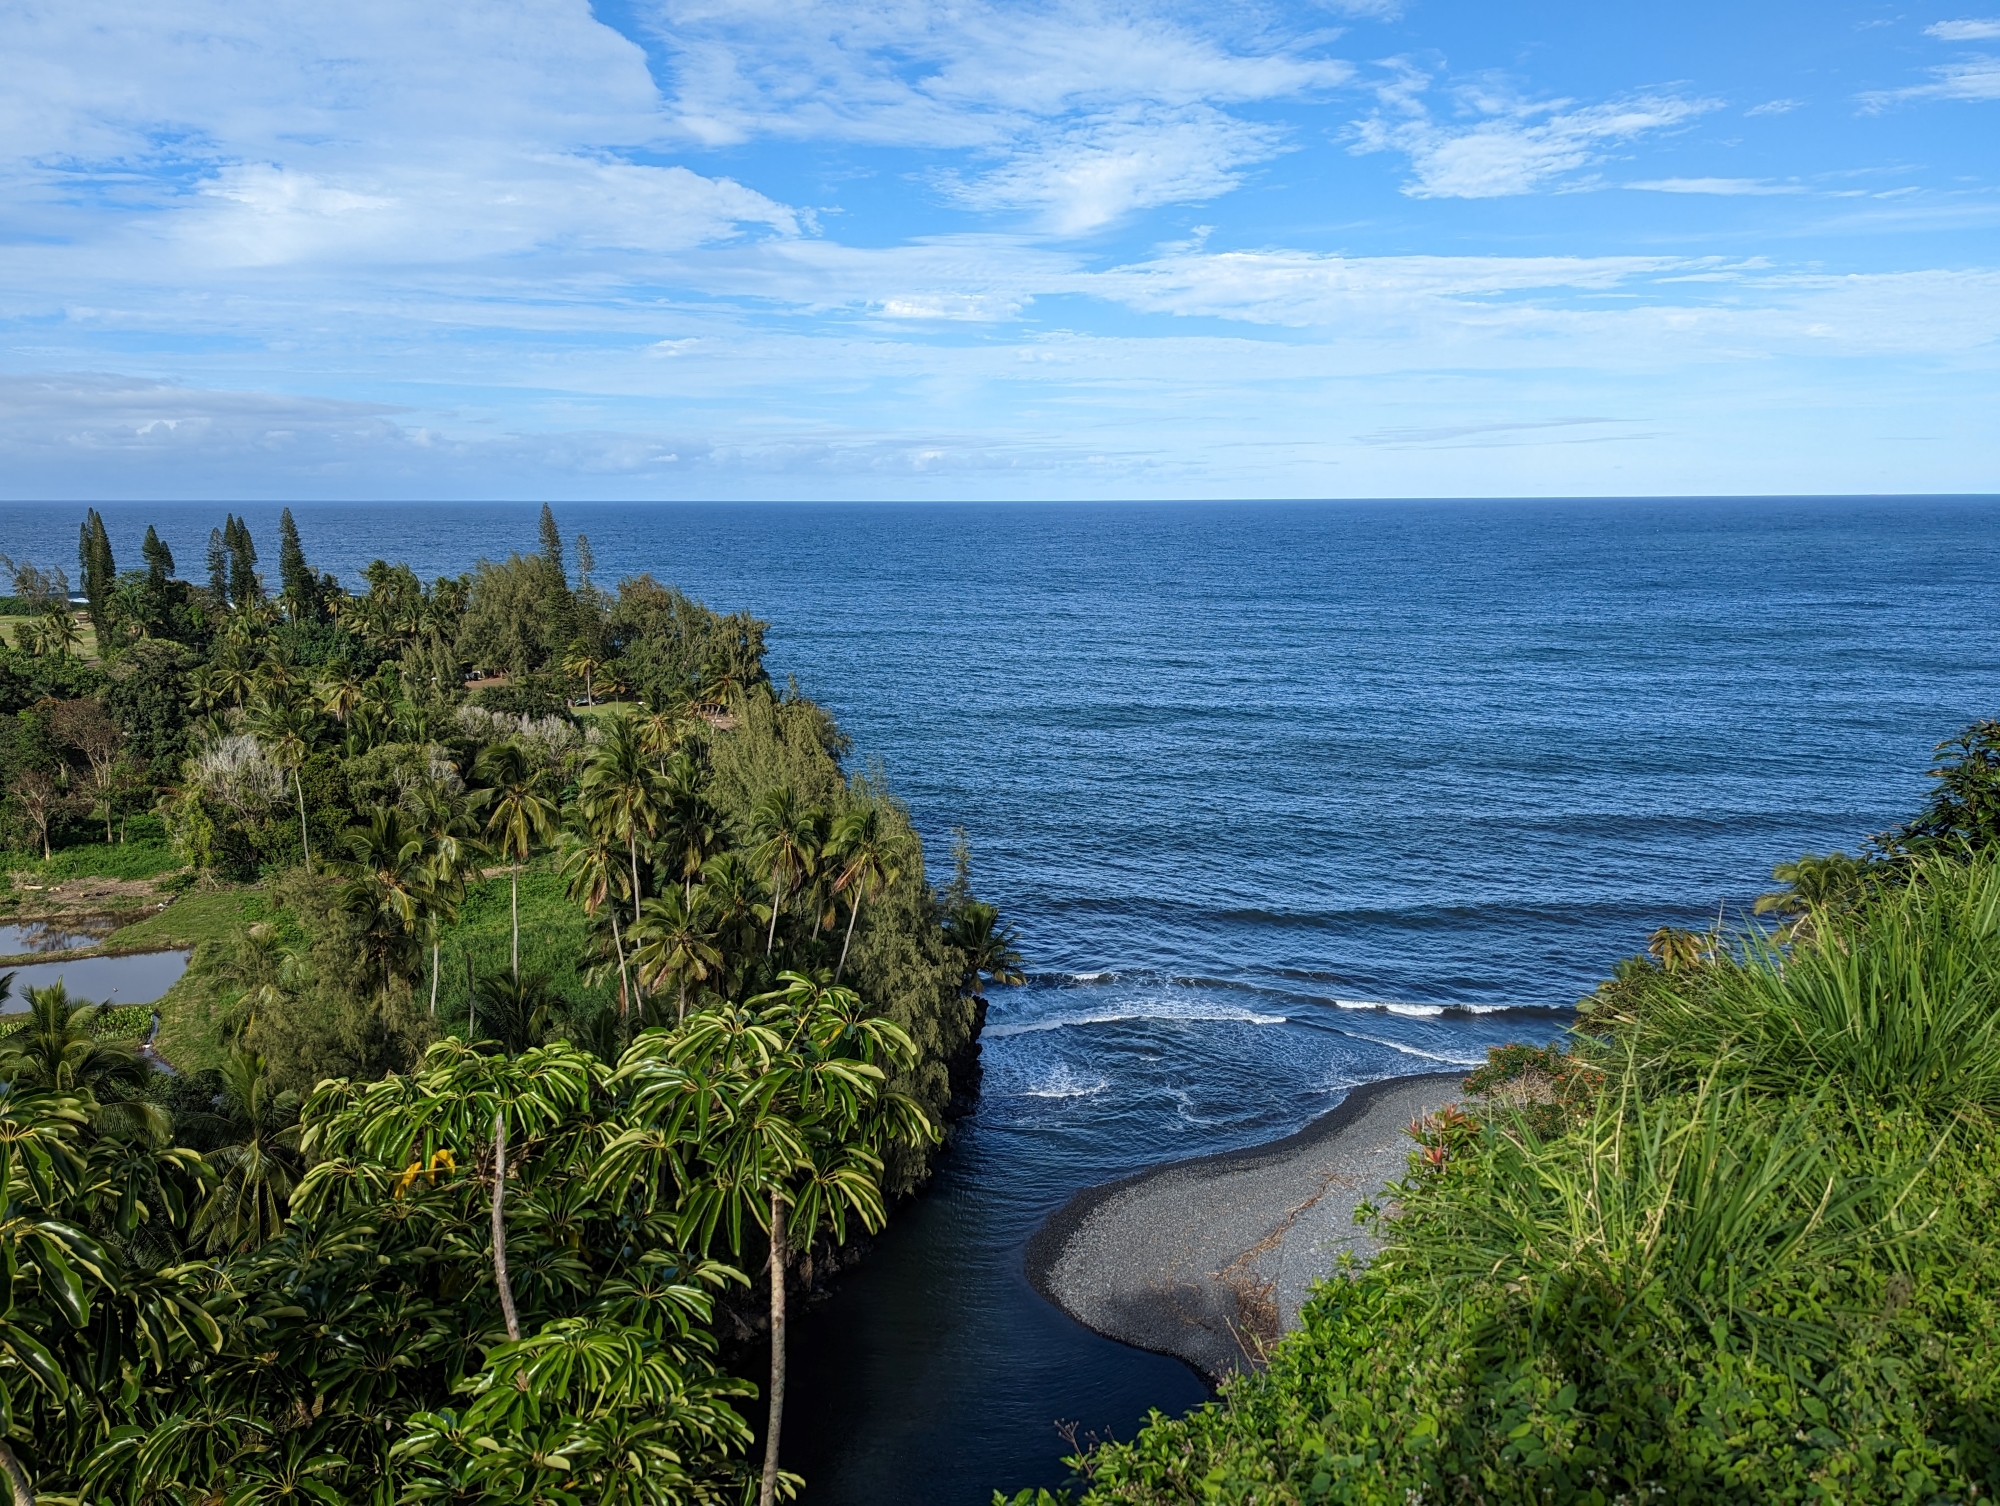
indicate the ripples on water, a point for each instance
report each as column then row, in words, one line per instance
column 1237, row 771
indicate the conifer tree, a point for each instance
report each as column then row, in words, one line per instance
column 159, row 559
column 243, row 584
column 93, row 552
column 552, row 547
column 218, row 567
column 296, row 577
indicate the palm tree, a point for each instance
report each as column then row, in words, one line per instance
column 452, row 851
column 729, row 895
column 518, row 1011
column 389, row 883
column 787, row 842
column 868, row 857
column 59, row 634
column 518, row 817
column 693, row 826
column 287, row 733
column 58, row 1050
column 339, row 692
column 257, row 1161
column 674, row 941
column 592, row 867
column 582, row 662
column 988, row 948
column 620, row 794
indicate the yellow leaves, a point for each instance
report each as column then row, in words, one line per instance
column 442, row 1164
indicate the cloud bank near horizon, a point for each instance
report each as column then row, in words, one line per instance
column 656, row 248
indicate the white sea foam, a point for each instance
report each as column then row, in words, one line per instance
column 1121, row 1016
column 1430, row 1011
column 1407, row 1050
column 1064, row 1083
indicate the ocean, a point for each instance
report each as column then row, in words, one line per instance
column 1281, row 798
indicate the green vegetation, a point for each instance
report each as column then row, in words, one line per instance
column 1736, row 1242
column 521, row 1039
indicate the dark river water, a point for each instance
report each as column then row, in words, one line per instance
column 1282, row 798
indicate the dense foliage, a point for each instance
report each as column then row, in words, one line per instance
column 416, row 1238
column 1734, row 1242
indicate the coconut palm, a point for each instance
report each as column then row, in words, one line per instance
column 988, row 947
column 390, row 884
column 787, row 844
column 518, row 1012
column 692, row 827
column 339, row 692
column 58, row 1050
column 287, row 732
column 621, row 795
column 59, row 633
column 451, row 854
column 582, row 662
column 257, row 1162
column 674, row 941
column 868, row 856
column 593, row 865
column 518, row 817
column 730, row 895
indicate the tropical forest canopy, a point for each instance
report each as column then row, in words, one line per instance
column 440, row 1220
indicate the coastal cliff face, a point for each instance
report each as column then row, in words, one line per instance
column 1211, row 1260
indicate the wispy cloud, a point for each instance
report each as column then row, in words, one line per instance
column 1726, row 187
column 1776, row 107
column 1084, row 113
column 1964, row 31
column 1498, row 144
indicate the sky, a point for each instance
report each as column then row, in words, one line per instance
column 879, row 248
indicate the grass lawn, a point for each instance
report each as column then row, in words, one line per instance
column 554, row 934
column 192, row 919
column 140, row 858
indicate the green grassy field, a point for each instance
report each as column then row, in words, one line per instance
column 554, row 935
column 192, row 919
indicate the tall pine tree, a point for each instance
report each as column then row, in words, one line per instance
column 159, row 559
column 300, row 585
column 93, row 552
column 218, row 568
column 244, row 586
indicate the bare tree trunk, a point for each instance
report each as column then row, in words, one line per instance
column 435, row 962
column 624, row 986
column 767, row 1492
column 514, row 879
column 500, row 1228
column 777, row 899
column 632, row 848
column 299, row 785
column 852, row 915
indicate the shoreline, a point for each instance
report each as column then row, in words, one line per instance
column 1208, row 1259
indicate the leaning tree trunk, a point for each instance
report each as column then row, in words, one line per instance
column 777, row 899
column 767, row 1491
column 500, row 1228
column 624, row 986
column 852, row 915
column 299, row 785
column 632, row 849
column 435, row 960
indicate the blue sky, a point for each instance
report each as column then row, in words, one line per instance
column 767, row 249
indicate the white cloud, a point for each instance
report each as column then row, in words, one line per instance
column 287, row 132
column 1087, row 113
column 1726, row 187
column 1974, row 79
column 1776, row 107
column 1085, row 177
column 1964, row 31
column 1502, row 145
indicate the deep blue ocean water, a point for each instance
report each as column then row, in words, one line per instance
column 1282, row 798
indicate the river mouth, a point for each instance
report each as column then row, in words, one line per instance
column 936, row 1372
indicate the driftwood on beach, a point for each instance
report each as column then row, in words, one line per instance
column 1210, row 1260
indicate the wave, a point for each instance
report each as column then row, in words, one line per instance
column 1431, row 1011
column 1138, row 1012
column 1418, row 1051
